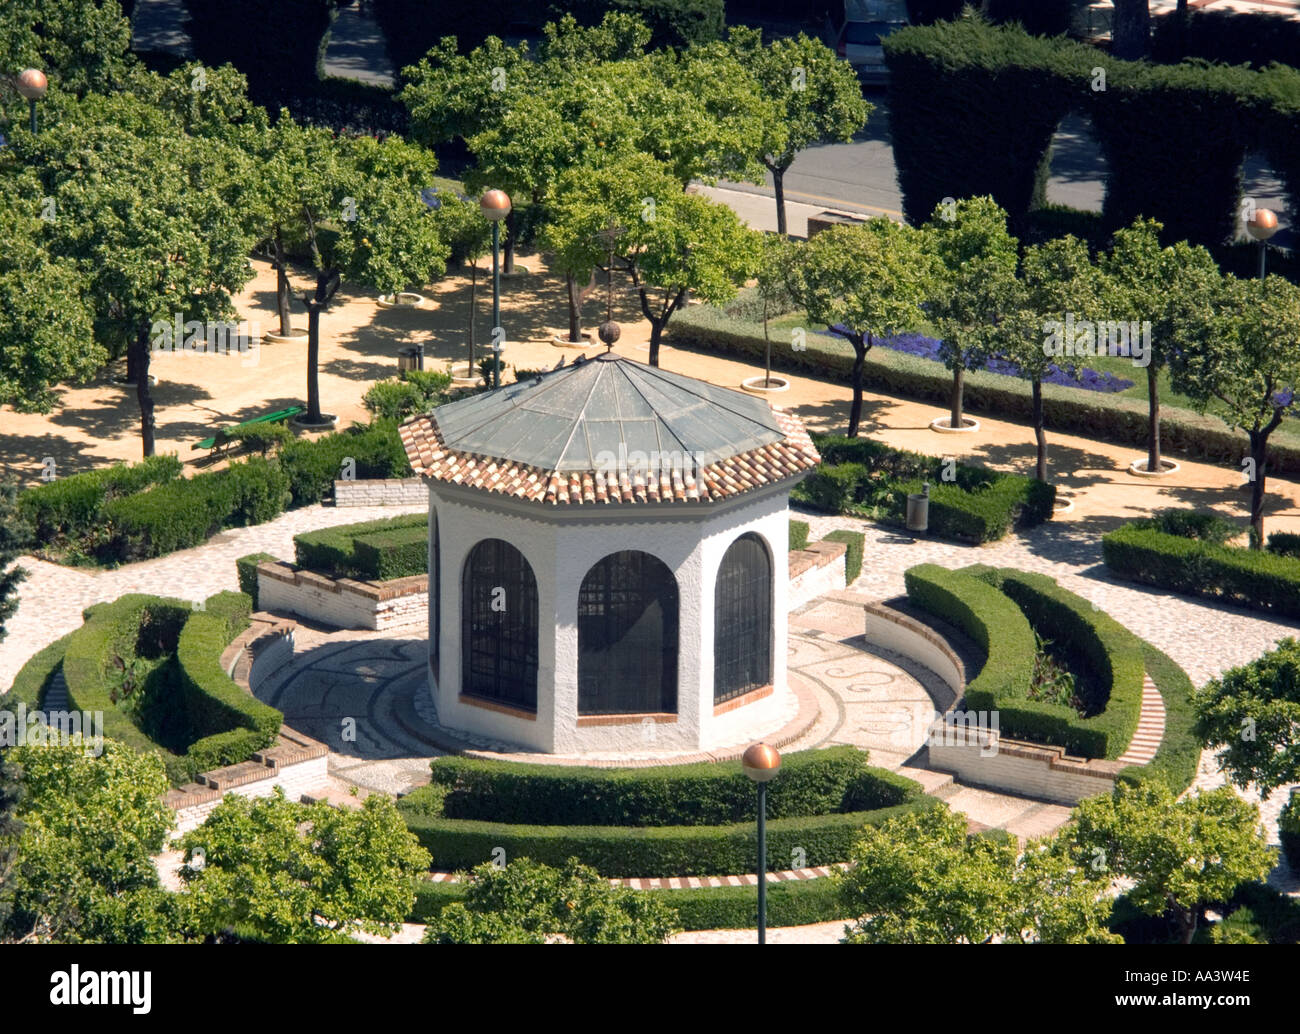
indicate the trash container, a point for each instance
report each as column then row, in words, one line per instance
column 918, row 509
column 411, row 358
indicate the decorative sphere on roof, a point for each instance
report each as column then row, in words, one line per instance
column 609, row 332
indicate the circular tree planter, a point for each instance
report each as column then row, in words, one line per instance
column 402, row 300
column 518, row 273
column 588, row 340
column 328, row 421
column 765, row 385
column 1138, row 468
column 969, row 425
column 1064, row 502
column 461, row 375
column 295, row 334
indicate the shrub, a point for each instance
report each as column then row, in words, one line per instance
column 1284, row 543
column 1288, row 825
column 260, row 490
column 34, row 677
column 73, row 505
column 981, row 513
column 798, row 534
column 393, row 400
column 1251, row 578
column 263, row 437
column 1097, row 644
column 314, row 466
column 1231, row 37
column 393, row 554
column 856, row 543
column 172, row 516
column 215, row 705
column 1189, row 524
column 832, row 487
column 246, row 568
column 811, row 783
column 652, row 850
column 334, row 550
column 673, row 23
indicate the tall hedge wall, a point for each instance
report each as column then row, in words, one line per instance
column 973, row 108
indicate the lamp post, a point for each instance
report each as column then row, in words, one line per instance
column 761, row 763
column 1262, row 225
column 32, row 84
column 495, row 206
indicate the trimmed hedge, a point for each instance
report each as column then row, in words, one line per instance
column 869, row 478
column 856, row 543
column 228, row 724
column 652, row 850
column 33, row 678
column 798, row 534
column 1190, row 524
column 1090, row 414
column 1179, row 754
column 673, row 23
column 1002, row 620
column 314, row 465
column 246, row 569
column 393, row 554
column 1103, row 647
column 73, row 505
column 792, row 903
column 1250, row 578
column 1284, row 543
column 334, row 550
column 811, row 783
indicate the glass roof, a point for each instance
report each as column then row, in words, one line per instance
column 566, row 419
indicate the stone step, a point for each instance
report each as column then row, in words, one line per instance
column 56, row 694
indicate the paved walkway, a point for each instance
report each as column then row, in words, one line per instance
column 357, row 48
column 159, row 26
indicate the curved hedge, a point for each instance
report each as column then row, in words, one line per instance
column 1179, row 754
column 1002, row 620
column 73, row 505
column 653, row 850
column 1108, row 650
column 1250, row 578
column 997, row 626
column 812, row 782
column 33, row 678
column 221, row 723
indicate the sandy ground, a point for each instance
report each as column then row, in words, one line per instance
column 99, row 423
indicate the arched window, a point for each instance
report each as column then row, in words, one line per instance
column 627, row 636
column 499, row 625
column 742, row 620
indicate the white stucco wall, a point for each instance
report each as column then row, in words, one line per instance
column 561, row 544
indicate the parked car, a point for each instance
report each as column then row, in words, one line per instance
column 859, row 45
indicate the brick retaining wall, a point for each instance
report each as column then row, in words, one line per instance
column 343, row 602
column 815, row 571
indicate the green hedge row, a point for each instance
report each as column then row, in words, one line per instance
column 652, row 850
column 33, row 678
column 73, row 505
column 1250, row 578
column 1102, row 647
column 313, row 465
column 798, row 534
column 812, row 782
column 246, row 571
column 860, row 475
column 393, row 554
column 855, row 541
column 1284, row 543
column 714, row 908
column 336, row 551
column 228, row 723
column 1089, row 414
column 973, row 108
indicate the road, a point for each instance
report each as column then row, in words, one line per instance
column 860, row 176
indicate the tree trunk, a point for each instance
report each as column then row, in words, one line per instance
column 1186, row 923
column 958, row 386
column 142, row 395
column 657, row 323
column 575, row 308
column 473, row 306
column 1130, row 29
column 1153, row 421
column 281, row 285
column 778, row 186
column 861, row 345
column 1259, row 453
column 313, row 361
column 1040, row 434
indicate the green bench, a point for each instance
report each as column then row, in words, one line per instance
column 225, row 435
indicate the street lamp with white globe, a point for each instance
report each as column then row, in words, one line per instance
column 495, row 206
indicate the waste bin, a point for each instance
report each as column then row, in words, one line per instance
column 411, row 358
column 918, row 509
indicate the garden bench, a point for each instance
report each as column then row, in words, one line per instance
column 224, row 435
